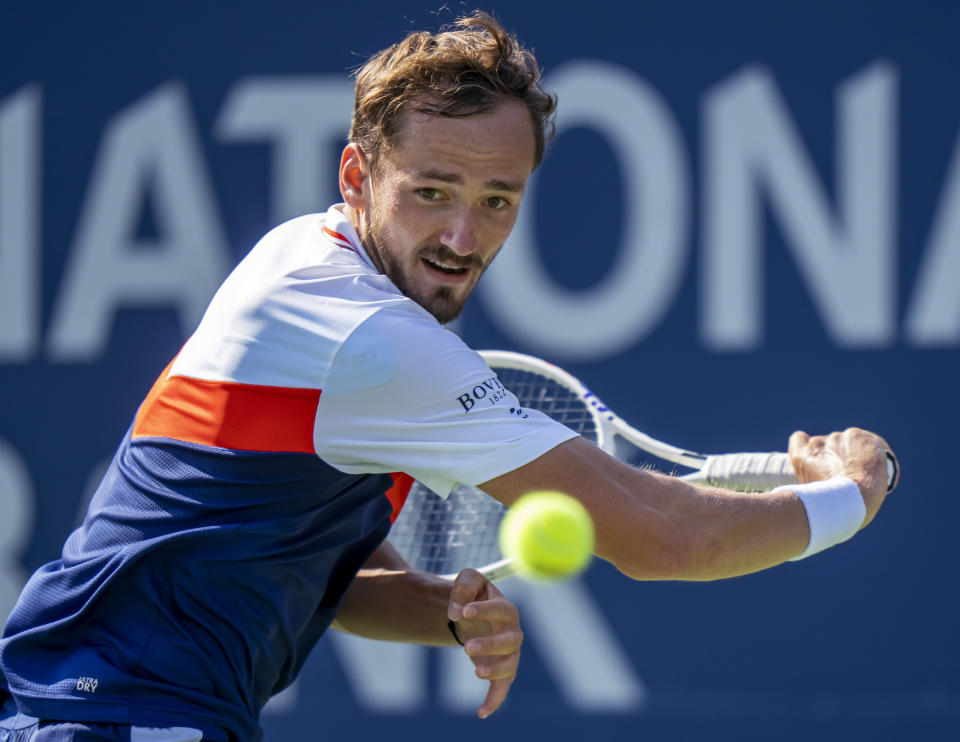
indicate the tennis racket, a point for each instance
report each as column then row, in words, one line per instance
column 444, row 536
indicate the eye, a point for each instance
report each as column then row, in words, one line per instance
column 497, row 202
column 430, row 194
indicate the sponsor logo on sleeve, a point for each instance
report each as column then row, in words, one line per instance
column 489, row 391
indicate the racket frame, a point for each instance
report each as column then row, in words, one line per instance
column 608, row 423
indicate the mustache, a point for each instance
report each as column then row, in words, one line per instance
column 441, row 254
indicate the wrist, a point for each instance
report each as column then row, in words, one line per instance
column 835, row 511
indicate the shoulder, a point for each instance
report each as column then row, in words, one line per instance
column 283, row 314
column 398, row 340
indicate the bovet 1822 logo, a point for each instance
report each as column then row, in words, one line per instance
column 490, row 390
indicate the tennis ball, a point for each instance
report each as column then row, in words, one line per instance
column 550, row 535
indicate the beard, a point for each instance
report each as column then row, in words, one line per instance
column 444, row 302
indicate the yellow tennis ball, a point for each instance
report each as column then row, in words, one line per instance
column 550, row 535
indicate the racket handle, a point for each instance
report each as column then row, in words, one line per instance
column 494, row 572
column 759, row 472
column 746, row 472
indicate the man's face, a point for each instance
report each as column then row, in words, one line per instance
column 440, row 203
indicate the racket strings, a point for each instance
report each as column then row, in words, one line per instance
column 445, row 536
column 538, row 392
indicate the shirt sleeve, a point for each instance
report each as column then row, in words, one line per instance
column 406, row 395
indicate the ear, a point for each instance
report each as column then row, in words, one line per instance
column 354, row 172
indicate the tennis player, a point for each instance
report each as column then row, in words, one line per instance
column 244, row 511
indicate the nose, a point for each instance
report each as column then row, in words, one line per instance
column 460, row 234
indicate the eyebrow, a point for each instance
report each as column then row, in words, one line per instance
column 494, row 185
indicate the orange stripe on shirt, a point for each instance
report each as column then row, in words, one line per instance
column 338, row 236
column 397, row 494
column 243, row 417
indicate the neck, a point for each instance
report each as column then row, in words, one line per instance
column 354, row 216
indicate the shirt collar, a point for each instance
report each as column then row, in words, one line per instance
column 338, row 230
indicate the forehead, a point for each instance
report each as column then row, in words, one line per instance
column 494, row 145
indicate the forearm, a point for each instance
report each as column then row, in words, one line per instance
column 705, row 533
column 651, row 526
column 391, row 602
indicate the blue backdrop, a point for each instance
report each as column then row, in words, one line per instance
column 760, row 200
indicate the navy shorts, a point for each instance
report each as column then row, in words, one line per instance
column 17, row 727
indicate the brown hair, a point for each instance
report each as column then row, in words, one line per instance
column 467, row 69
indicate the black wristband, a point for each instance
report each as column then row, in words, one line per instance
column 453, row 630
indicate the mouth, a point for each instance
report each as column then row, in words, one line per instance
column 447, row 271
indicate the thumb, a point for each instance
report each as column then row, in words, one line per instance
column 468, row 586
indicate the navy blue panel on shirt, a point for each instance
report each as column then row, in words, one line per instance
column 195, row 588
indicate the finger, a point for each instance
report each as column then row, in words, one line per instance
column 798, row 441
column 467, row 587
column 503, row 642
column 498, row 610
column 495, row 696
column 492, row 667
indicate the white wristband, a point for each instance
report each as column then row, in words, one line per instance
column 835, row 511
